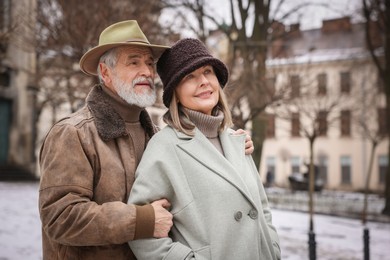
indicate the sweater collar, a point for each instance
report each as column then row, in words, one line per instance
column 207, row 124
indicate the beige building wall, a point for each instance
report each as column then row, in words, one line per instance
column 281, row 150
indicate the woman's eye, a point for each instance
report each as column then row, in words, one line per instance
column 189, row 76
column 208, row 71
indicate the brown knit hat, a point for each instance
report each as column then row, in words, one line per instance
column 182, row 58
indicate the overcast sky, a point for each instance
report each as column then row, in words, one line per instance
column 309, row 18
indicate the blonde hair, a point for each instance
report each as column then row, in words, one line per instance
column 177, row 117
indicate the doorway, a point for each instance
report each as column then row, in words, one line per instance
column 5, row 121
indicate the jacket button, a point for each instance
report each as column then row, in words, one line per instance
column 238, row 215
column 253, row 214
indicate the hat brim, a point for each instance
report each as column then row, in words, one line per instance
column 90, row 60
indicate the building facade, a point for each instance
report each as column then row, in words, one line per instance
column 332, row 91
column 17, row 68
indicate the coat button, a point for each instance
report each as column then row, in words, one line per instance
column 238, row 215
column 253, row 214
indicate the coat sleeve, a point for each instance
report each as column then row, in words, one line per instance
column 68, row 213
column 266, row 210
column 158, row 176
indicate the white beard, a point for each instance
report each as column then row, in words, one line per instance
column 126, row 91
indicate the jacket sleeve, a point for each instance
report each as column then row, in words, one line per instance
column 68, row 213
column 266, row 211
column 158, row 176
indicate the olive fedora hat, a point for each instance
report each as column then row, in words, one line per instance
column 125, row 33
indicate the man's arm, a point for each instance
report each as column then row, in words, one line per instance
column 68, row 211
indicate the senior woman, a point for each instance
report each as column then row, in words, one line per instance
column 219, row 206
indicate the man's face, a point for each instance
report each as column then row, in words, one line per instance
column 133, row 76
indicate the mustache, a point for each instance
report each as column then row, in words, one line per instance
column 142, row 79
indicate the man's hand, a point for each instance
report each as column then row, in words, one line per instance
column 249, row 148
column 163, row 218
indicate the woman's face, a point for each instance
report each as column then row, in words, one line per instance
column 199, row 90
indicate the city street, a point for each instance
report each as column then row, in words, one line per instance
column 337, row 238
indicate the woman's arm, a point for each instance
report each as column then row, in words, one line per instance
column 159, row 175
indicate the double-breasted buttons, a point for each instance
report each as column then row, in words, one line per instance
column 253, row 214
column 238, row 215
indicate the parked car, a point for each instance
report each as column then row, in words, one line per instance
column 300, row 181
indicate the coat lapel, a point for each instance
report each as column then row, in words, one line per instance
column 202, row 150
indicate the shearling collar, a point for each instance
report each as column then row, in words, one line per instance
column 108, row 122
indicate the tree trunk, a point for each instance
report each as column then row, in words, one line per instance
column 311, row 184
column 386, row 209
column 367, row 185
column 383, row 68
column 258, row 135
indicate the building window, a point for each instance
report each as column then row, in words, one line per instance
column 345, row 82
column 323, row 168
column 383, row 163
column 382, row 122
column 295, row 164
column 345, row 123
column 295, row 125
column 322, row 123
column 270, row 126
column 321, row 80
column 295, row 86
column 345, row 162
column 271, row 170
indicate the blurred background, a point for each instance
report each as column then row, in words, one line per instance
column 310, row 80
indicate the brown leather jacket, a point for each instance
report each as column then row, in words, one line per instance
column 87, row 171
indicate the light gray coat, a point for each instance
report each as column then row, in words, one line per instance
column 219, row 204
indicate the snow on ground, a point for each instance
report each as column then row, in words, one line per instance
column 20, row 228
column 337, row 238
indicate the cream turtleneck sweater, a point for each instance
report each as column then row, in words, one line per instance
column 208, row 125
column 130, row 114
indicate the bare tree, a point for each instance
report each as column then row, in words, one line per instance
column 368, row 119
column 377, row 15
column 190, row 15
column 9, row 27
